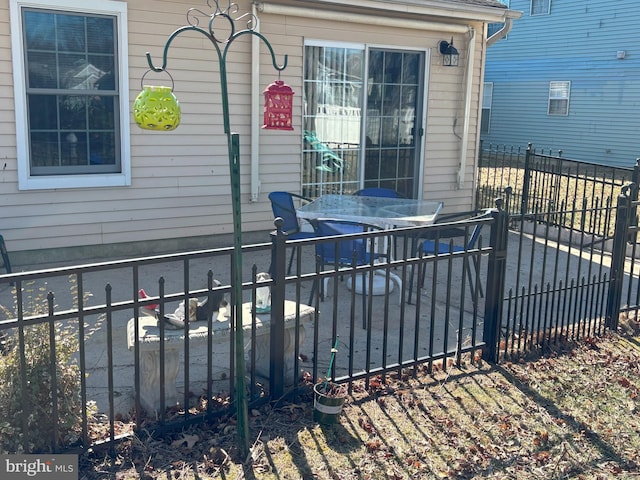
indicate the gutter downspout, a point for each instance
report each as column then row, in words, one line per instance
column 255, row 110
column 467, row 108
column 500, row 34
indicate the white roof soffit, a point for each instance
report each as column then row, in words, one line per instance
column 436, row 10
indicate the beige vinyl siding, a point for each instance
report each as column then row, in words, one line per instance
column 180, row 179
column 281, row 155
column 191, row 163
column 8, row 172
column 445, row 123
column 178, row 188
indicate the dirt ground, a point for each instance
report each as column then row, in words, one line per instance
column 574, row 413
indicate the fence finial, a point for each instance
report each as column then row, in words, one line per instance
column 279, row 223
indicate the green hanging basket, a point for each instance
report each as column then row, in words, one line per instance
column 157, row 108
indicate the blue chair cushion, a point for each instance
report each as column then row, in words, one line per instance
column 300, row 235
column 346, row 249
column 430, row 247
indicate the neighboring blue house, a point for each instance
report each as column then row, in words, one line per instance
column 567, row 77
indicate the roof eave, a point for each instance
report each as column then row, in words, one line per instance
column 462, row 12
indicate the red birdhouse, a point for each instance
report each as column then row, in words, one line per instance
column 278, row 106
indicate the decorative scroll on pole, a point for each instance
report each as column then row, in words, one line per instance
column 228, row 18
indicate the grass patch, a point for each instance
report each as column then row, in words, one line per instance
column 584, row 202
column 572, row 414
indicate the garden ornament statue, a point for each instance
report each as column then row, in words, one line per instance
column 227, row 17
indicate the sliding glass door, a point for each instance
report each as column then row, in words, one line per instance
column 362, row 119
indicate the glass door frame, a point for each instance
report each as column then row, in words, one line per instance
column 419, row 128
column 314, row 188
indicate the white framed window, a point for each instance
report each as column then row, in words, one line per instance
column 71, row 93
column 540, row 7
column 559, row 93
column 487, row 99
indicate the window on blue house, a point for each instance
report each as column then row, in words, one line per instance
column 540, row 7
column 559, row 93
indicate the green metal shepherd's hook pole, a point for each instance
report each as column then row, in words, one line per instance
column 233, row 142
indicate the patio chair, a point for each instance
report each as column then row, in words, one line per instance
column 441, row 242
column 282, row 205
column 347, row 253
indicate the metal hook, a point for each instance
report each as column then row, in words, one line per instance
column 164, row 70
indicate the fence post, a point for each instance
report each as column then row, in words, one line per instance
column 635, row 178
column 508, row 192
column 496, row 273
column 616, row 278
column 278, row 274
column 527, row 180
column 635, row 182
column 477, row 201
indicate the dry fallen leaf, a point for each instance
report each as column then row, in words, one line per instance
column 189, row 440
column 373, row 445
column 367, row 425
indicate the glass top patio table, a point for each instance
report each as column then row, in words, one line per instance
column 380, row 211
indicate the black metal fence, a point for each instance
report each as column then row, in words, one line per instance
column 572, row 250
column 97, row 310
column 538, row 182
column 559, row 287
column 129, row 371
column 527, row 284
